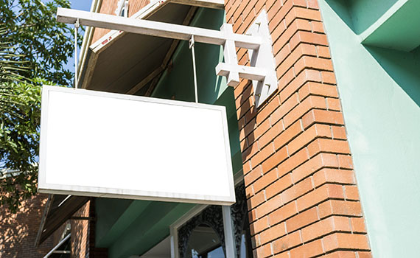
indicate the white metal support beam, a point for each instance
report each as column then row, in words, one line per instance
column 262, row 70
column 245, row 72
column 228, row 230
column 153, row 28
column 229, row 50
column 263, row 58
column 217, row 4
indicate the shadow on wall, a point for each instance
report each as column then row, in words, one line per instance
column 247, row 138
column 18, row 231
column 342, row 9
column 402, row 67
column 80, row 233
column 359, row 15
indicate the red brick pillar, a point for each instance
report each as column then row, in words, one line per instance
column 302, row 195
column 94, row 252
column 80, row 233
column 83, row 233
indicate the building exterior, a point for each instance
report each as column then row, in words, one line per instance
column 326, row 167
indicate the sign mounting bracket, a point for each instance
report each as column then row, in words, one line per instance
column 262, row 66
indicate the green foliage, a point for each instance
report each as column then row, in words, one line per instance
column 45, row 43
column 19, row 140
column 34, row 48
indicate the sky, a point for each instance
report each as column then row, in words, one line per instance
column 83, row 5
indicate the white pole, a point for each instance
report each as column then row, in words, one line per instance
column 228, row 228
column 192, row 43
column 76, row 28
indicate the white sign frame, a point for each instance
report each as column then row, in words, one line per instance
column 45, row 185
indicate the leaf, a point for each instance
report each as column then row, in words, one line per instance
column 34, row 48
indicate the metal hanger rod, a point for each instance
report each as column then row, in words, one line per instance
column 192, row 43
column 76, row 29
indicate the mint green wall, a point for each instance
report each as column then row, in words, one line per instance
column 366, row 12
column 133, row 227
column 107, row 218
column 178, row 81
column 380, row 94
column 389, row 24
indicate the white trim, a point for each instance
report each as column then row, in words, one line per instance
column 228, row 230
column 177, row 224
column 217, row 4
column 239, row 178
column 60, row 187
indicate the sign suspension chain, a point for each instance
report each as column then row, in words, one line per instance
column 192, row 43
column 76, row 28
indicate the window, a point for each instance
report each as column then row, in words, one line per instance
column 202, row 236
column 122, row 8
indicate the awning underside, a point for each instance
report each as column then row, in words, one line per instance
column 58, row 210
column 132, row 60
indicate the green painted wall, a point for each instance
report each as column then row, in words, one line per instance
column 108, row 218
column 380, row 93
column 178, row 81
column 133, row 227
column 148, row 229
column 382, row 23
column 397, row 28
column 365, row 12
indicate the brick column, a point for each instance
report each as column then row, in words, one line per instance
column 302, row 195
column 80, row 233
column 94, row 252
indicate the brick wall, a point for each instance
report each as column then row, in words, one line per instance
column 80, row 233
column 94, row 252
column 302, row 195
column 83, row 234
column 18, row 231
column 109, row 7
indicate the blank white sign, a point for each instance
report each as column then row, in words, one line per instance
column 113, row 145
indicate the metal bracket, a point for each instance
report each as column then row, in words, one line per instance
column 258, row 42
column 263, row 58
column 262, row 71
column 231, row 59
column 76, row 31
column 83, row 218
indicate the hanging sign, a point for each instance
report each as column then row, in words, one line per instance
column 122, row 146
